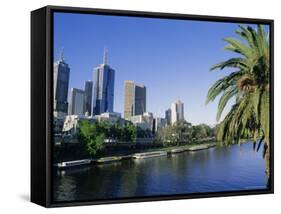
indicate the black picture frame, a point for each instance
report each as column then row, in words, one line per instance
column 42, row 96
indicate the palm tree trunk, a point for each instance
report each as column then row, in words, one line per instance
column 267, row 162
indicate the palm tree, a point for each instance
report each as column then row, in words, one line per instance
column 249, row 85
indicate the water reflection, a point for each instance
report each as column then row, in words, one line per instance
column 215, row 169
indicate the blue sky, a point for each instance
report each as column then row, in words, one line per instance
column 170, row 57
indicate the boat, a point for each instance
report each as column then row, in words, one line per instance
column 178, row 150
column 149, row 154
column 200, row 147
column 67, row 164
column 108, row 159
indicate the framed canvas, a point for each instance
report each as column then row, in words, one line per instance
column 130, row 106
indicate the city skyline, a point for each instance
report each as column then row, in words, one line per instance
column 170, row 70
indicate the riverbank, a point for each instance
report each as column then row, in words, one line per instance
column 153, row 152
column 207, row 170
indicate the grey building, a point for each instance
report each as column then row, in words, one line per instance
column 103, row 88
column 135, row 99
column 61, row 84
column 159, row 123
column 76, row 102
column 88, row 88
column 168, row 115
column 140, row 99
column 177, row 111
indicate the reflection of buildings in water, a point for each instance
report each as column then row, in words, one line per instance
column 65, row 190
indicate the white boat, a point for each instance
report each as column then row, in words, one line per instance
column 178, row 150
column 108, row 159
column 199, row 147
column 73, row 163
column 149, row 154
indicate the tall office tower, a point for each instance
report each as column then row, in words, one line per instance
column 76, row 102
column 88, row 97
column 177, row 112
column 135, row 99
column 129, row 100
column 61, row 82
column 140, row 99
column 103, row 88
column 168, row 116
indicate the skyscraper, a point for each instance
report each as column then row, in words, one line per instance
column 88, row 97
column 61, row 82
column 135, row 99
column 129, row 100
column 76, row 102
column 168, row 116
column 140, row 99
column 103, row 88
column 177, row 111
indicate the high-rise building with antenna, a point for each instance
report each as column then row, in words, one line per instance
column 103, row 87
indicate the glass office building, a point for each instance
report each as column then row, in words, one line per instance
column 103, row 88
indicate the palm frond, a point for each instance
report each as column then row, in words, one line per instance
column 231, row 63
column 238, row 47
column 227, row 95
column 221, row 85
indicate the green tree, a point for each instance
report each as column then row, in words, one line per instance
column 199, row 132
column 130, row 132
column 92, row 136
column 249, row 86
column 176, row 134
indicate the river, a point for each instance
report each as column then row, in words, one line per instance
column 216, row 169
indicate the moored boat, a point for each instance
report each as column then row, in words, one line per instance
column 149, row 154
column 108, row 159
column 67, row 164
column 177, row 150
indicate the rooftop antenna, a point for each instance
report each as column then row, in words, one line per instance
column 105, row 53
column 61, row 55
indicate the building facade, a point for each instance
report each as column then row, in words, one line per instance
column 168, row 116
column 71, row 123
column 88, row 88
column 61, row 84
column 135, row 99
column 77, row 97
column 129, row 100
column 110, row 117
column 103, row 88
column 140, row 99
column 144, row 121
column 159, row 123
column 177, row 111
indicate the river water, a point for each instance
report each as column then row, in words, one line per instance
column 216, row 169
